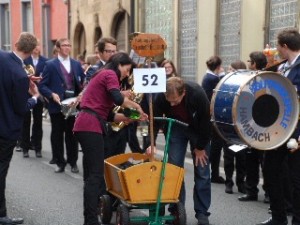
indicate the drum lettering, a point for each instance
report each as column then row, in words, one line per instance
column 254, row 134
column 245, row 124
column 267, row 137
column 250, row 131
column 260, row 137
column 286, row 100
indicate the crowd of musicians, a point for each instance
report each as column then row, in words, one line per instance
column 102, row 87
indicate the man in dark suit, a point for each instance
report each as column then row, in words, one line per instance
column 62, row 78
column 35, row 141
column 14, row 103
column 289, row 48
column 105, row 48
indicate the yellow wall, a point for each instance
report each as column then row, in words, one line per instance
column 206, row 34
column 252, row 27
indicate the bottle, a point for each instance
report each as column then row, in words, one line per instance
column 131, row 113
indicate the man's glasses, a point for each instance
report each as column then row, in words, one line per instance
column 110, row 51
column 66, row 45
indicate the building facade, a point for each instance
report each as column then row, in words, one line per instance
column 194, row 30
column 47, row 19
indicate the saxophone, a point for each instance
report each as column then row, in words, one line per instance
column 136, row 97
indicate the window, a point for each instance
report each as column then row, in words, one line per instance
column 5, row 27
column 27, row 16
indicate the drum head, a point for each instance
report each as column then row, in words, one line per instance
column 264, row 112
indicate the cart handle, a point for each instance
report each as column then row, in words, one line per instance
column 173, row 120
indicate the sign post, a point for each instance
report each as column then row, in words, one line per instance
column 149, row 80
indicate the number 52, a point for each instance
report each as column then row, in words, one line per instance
column 152, row 79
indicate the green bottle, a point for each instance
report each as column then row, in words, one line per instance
column 132, row 113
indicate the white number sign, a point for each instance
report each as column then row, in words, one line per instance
column 152, row 80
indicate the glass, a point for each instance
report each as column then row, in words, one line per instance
column 131, row 113
column 66, row 45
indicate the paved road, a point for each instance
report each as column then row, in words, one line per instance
column 42, row 197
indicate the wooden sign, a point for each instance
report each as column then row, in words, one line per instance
column 148, row 45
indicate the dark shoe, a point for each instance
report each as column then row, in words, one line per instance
column 228, row 189
column 203, row 220
column 52, row 161
column 217, row 180
column 74, row 169
column 59, row 169
column 247, row 198
column 7, row 220
column 38, row 154
column 25, row 154
column 270, row 221
column 242, row 189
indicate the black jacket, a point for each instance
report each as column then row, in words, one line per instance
column 197, row 106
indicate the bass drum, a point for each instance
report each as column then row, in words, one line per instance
column 259, row 109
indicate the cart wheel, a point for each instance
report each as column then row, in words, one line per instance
column 122, row 216
column 180, row 214
column 105, row 210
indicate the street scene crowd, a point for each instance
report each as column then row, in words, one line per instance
column 101, row 87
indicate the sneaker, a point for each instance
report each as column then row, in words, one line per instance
column 217, row 180
column 270, row 221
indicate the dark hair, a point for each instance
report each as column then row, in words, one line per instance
column 101, row 43
column 259, row 59
column 117, row 59
column 290, row 37
column 174, row 73
column 213, row 62
column 238, row 65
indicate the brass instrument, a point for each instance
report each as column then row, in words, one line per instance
column 29, row 69
column 136, row 97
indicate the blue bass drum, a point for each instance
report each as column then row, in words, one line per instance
column 259, row 109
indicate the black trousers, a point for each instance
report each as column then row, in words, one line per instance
column 274, row 179
column 216, row 146
column 61, row 132
column 93, row 173
column 133, row 141
column 37, row 128
column 254, row 160
column 240, row 166
column 115, row 142
column 6, row 153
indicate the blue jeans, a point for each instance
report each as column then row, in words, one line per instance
column 179, row 138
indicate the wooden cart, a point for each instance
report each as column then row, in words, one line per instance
column 145, row 185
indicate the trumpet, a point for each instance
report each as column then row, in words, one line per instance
column 136, row 97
